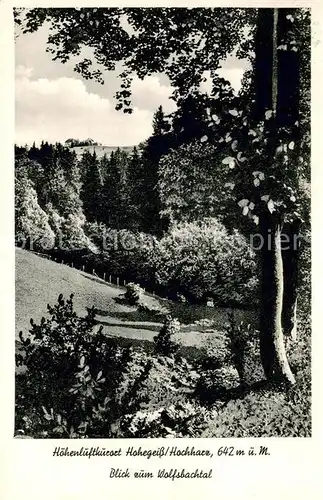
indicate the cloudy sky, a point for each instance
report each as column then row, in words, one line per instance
column 54, row 103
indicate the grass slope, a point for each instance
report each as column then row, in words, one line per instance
column 256, row 411
column 39, row 282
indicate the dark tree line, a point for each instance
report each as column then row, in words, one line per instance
column 120, row 190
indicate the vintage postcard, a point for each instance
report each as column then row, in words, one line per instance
column 160, row 198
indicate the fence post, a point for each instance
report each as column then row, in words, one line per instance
column 110, row 279
column 104, row 276
column 62, row 261
column 92, row 271
column 117, row 280
column 72, row 264
column 83, row 267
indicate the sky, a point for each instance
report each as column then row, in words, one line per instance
column 53, row 103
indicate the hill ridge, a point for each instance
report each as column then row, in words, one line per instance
column 100, row 150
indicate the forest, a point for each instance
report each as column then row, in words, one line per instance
column 209, row 217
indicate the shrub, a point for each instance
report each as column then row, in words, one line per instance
column 99, row 234
column 228, row 362
column 74, row 379
column 163, row 343
column 191, row 262
column 176, row 420
column 217, row 383
column 125, row 253
column 133, row 293
column 202, row 259
column 77, row 383
column 153, row 307
column 238, row 338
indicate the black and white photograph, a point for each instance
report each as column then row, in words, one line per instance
column 162, row 164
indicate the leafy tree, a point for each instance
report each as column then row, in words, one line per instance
column 267, row 143
column 62, row 181
column 190, row 120
column 279, row 91
column 193, row 185
column 201, row 259
column 32, row 227
column 53, row 170
column 55, row 178
column 191, row 41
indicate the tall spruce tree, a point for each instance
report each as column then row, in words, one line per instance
column 115, row 198
column 135, row 185
column 156, row 146
column 91, row 192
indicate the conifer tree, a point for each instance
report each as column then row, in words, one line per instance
column 91, row 192
column 115, row 198
column 156, row 146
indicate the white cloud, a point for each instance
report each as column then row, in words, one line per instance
column 150, row 93
column 207, row 85
column 233, row 75
column 233, row 69
column 54, row 110
column 23, row 71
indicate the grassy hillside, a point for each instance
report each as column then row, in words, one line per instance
column 39, row 282
column 251, row 411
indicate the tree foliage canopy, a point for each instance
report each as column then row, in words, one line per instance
column 181, row 43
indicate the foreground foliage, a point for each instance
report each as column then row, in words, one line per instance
column 74, row 382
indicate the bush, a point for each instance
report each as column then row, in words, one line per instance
column 239, row 343
column 192, row 262
column 176, row 420
column 217, row 383
column 124, row 253
column 202, row 260
column 77, row 383
column 153, row 307
column 133, row 293
column 163, row 343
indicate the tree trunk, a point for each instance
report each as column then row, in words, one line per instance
column 272, row 347
column 270, row 88
column 288, row 104
column 290, row 264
